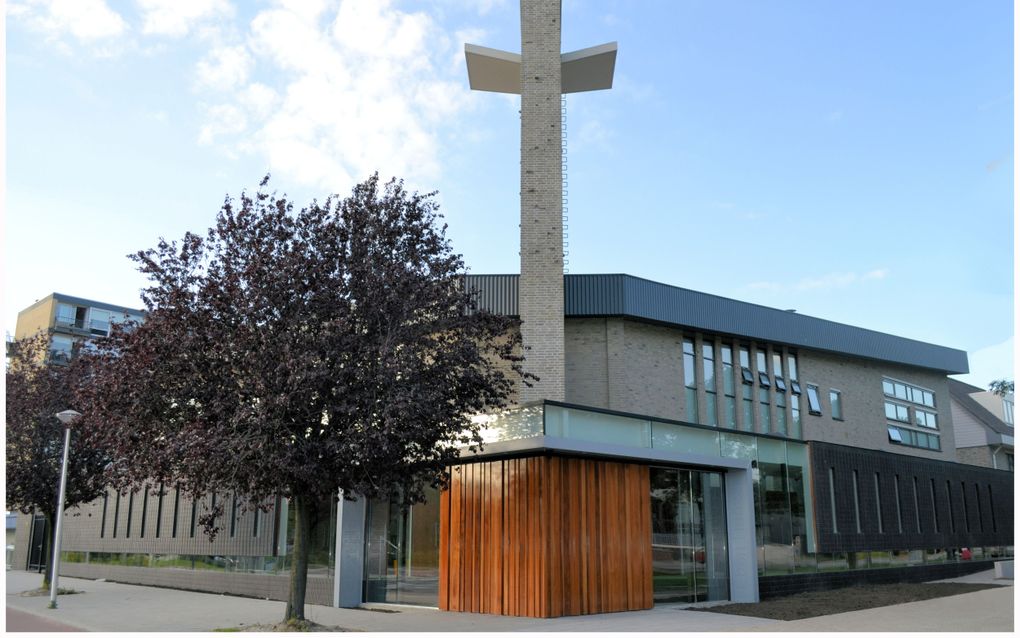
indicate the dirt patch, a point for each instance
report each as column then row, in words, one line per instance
column 45, row 591
column 837, row 601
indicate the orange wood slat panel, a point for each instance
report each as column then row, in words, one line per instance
column 546, row 536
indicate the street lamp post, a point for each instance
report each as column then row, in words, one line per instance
column 67, row 417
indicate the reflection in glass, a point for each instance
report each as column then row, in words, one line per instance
column 402, row 552
column 689, row 546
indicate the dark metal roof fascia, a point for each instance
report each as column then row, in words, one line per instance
column 618, row 295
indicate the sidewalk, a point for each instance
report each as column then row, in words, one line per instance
column 112, row 607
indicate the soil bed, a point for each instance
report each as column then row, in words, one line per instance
column 837, row 601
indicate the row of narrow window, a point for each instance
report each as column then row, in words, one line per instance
column 936, row 523
column 192, row 523
column 773, row 387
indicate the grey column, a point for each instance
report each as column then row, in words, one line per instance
column 350, row 553
column 541, row 282
column 740, row 529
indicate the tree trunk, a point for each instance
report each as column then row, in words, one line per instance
column 299, row 558
column 47, row 553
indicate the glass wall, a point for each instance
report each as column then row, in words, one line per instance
column 690, row 562
column 402, row 552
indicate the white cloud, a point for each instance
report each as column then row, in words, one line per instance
column 830, row 281
column 88, row 21
column 176, row 18
column 221, row 119
column 327, row 98
column 224, row 68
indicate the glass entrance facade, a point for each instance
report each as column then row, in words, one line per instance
column 689, row 548
column 402, row 552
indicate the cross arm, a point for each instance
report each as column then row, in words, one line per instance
column 499, row 71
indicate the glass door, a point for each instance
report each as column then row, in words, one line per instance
column 402, row 552
column 689, row 550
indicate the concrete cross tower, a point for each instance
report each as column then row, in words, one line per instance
column 541, row 75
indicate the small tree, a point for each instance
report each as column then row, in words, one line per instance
column 301, row 353
column 36, row 391
column 1001, row 387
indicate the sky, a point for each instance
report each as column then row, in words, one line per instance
column 850, row 160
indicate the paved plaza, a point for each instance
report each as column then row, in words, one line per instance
column 106, row 606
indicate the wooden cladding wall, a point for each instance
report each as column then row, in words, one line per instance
column 545, row 537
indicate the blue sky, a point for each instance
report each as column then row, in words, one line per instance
column 851, row 160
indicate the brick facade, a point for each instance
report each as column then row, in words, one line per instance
column 541, row 283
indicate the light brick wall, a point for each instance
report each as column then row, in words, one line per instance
column 541, row 283
column 864, row 424
column 631, row 366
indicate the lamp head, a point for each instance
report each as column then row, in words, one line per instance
column 67, row 417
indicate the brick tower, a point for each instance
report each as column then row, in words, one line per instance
column 541, row 74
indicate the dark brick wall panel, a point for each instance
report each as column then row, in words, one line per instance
column 774, row 586
column 983, row 532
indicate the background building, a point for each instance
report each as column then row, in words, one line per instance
column 70, row 321
column 984, row 426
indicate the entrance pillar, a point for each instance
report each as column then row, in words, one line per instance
column 349, row 562
column 742, row 543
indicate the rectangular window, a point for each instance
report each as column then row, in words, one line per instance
column 777, row 371
column 729, row 387
column 934, row 506
column 177, row 507
column 745, row 365
column 899, row 508
column 836, row 403
column 832, row 498
column 99, row 322
column 977, row 499
column 233, row 515
column 1007, row 411
column 926, row 419
column 907, row 392
column 159, row 510
column 145, row 512
column 255, row 522
column 894, row 435
column 65, row 314
column 708, row 365
column 102, row 523
column 917, row 508
column 857, row 505
column 949, row 502
column 966, row 511
column 878, row 503
column 61, row 348
column 795, row 430
column 690, row 381
column 194, row 517
column 131, row 508
column 781, row 414
column 897, row 412
column 991, row 509
column 763, row 368
column 791, row 365
column 748, row 413
column 814, row 405
column 764, row 410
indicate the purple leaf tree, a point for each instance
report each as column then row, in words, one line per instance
column 299, row 353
